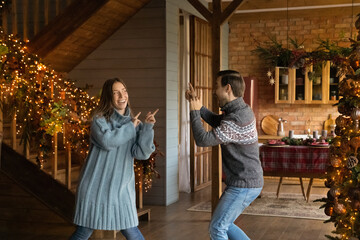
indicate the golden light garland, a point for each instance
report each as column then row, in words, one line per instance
column 45, row 103
column 342, row 203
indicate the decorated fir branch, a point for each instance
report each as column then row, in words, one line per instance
column 45, row 103
column 146, row 168
column 342, row 203
column 294, row 55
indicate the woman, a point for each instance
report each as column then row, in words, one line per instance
column 105, row 196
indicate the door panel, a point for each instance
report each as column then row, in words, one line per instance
column 200, row 78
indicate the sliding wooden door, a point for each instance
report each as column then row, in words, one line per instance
column 201, row 79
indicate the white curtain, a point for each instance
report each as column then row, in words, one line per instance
column 184, row 131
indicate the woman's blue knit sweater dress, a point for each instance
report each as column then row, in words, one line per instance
column 105, row 196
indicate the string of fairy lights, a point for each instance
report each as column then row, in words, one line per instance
column 45, row 103
column 342, row 203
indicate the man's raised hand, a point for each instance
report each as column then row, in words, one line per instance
column 190, row 93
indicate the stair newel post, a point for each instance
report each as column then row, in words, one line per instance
column 1, row 122
column 1, row 138
column 55, row 156
column 52, row 88
column 140, row 188
column 67, row 158
column 1, row 111
column 13, row 131
column 55, row 153
column 27, row 150
column 68, row 167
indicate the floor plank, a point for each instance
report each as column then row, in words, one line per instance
column 173, row 222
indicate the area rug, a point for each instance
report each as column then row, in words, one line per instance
column 287, row 205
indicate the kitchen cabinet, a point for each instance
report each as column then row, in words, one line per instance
column 292, row 85
column 317, row 87
column 299, row 90
column 332, row 90
column 283, row 84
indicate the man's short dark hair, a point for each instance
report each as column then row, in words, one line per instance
column 235, row 80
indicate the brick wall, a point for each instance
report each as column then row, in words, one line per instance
column 243, row 33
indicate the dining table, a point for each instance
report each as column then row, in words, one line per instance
column 295, row 161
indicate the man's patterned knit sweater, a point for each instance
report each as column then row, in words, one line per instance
column 236, row 131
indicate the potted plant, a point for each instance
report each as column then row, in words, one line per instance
column 276, row 55
column 273, row 52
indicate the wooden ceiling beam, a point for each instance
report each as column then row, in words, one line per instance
column 271, row 4
column 229, row 10
column 201, row 9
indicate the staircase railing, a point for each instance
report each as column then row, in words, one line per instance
column 12, row 139
column 25, row 18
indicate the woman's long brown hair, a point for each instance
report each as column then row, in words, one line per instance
column 106, row 107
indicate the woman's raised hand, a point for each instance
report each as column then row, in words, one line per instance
column 150, row 117
column 136, row 120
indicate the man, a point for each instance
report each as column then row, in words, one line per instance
column 235, row 130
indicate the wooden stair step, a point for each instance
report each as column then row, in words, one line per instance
column 30, row 215
column 37, row 182
column 16, row 202
column 43, row 230
column 23, row 216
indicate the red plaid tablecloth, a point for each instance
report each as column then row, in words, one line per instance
column 294, row 159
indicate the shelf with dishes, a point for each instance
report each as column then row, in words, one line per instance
column 311, row 85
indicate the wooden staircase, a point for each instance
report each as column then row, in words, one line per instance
column 63, row 33
column 68, row 35
column 23, row 216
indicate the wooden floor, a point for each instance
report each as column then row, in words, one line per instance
column 24, row 217
column 175, row 223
